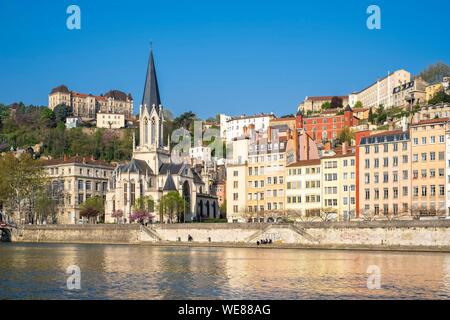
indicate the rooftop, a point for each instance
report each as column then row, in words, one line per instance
column 76, row 160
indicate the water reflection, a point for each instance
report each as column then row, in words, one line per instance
column 37, row 271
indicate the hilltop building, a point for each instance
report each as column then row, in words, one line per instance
column 86, row 106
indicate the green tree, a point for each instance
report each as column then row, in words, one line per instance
column 22, row 180
column 439, row 98
column 326, row 105
column 336, row 102
column 172, row 204
column 47, row 117
column 61, row 112
column 145, row 203
column 93, row 209
column 223, row 209
column 434, row 73
column 346, row 135
column 358, row 105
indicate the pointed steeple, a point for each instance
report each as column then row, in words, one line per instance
column 151, row 90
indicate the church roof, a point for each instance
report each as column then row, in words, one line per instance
column 170, row 184
column 197, row 178
column 170, row 168
column 151, row 91
column 135, row 166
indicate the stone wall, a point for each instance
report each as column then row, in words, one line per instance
column 407, row 235
column 79, row 233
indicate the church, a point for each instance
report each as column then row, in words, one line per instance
column 151, row 171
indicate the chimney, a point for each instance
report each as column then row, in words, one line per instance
column 344, row 148
column 66, row 158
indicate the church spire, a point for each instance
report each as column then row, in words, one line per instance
column 151, row 90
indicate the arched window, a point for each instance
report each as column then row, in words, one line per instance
column 145, row 131
column 153, row 132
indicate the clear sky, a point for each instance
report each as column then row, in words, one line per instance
column 216, row 56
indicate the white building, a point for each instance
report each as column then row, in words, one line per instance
column 110, row 120
column 200, row 154
column 242, row 126
column 303, row 190
column 72, row 122
column 447, row 167
column 236, row 184
column 381, row 92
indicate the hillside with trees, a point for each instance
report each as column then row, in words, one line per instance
column 26, row 126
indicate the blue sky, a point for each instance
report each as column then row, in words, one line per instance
column 216, row 56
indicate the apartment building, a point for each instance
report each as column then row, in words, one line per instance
column 243, row 126
column 75, row 179
column 380, row 92
column 432, row 90
column 110, row 120
column 384, row 174
column 428, row 145
column 410, row 94
column 87, row 105
column 314, row 104
column 339, row 183
column 441, row 110
column 326, row 126
column 266, row 176
column 303, row 189
column 236, row 182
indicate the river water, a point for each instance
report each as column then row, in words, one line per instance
column 38, row 271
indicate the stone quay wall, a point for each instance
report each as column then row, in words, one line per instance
column 379, row 235
column 78, row 233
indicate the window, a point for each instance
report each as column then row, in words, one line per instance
column 432, row 173
column 424, row 191
column 432, row 156
column 441, row 190
column 367, row 164
column 235, row 196
column 424, row 140
column 386, row 193
column 367, row 194
column 432, row 190
column 386, row 177
column 405, row 174
column 416, row 141
column 441, row 156
column 395, row 193
column 132, row 193
column 235, row 184
column 386, row 162
column 405, row 159
column 441, row 139
column 386, row 148
column 88, row 185
column 376, row 163
column 395, row 162
column 441, row 172
column 424, row 157
column 405, row 191
column 125, row 193
column 235, row 173
column 80, row 184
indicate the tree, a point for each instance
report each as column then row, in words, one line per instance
column 358, row 105
column 141, row 216
column 440, row 97
column 336, row 102
column 172, row 204
column 144, row 203
column 92, row 208
column 326, row 105
column 22, row 181
column 372, row 116
column 61, row 112
column 434, row 73
column 118, row 214
column 185, row 120
column 223, row 209
column 47, row 117
column 346, row 135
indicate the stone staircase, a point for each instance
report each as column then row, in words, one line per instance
column 149, row 231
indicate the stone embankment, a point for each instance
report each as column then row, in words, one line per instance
column 380, row 235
